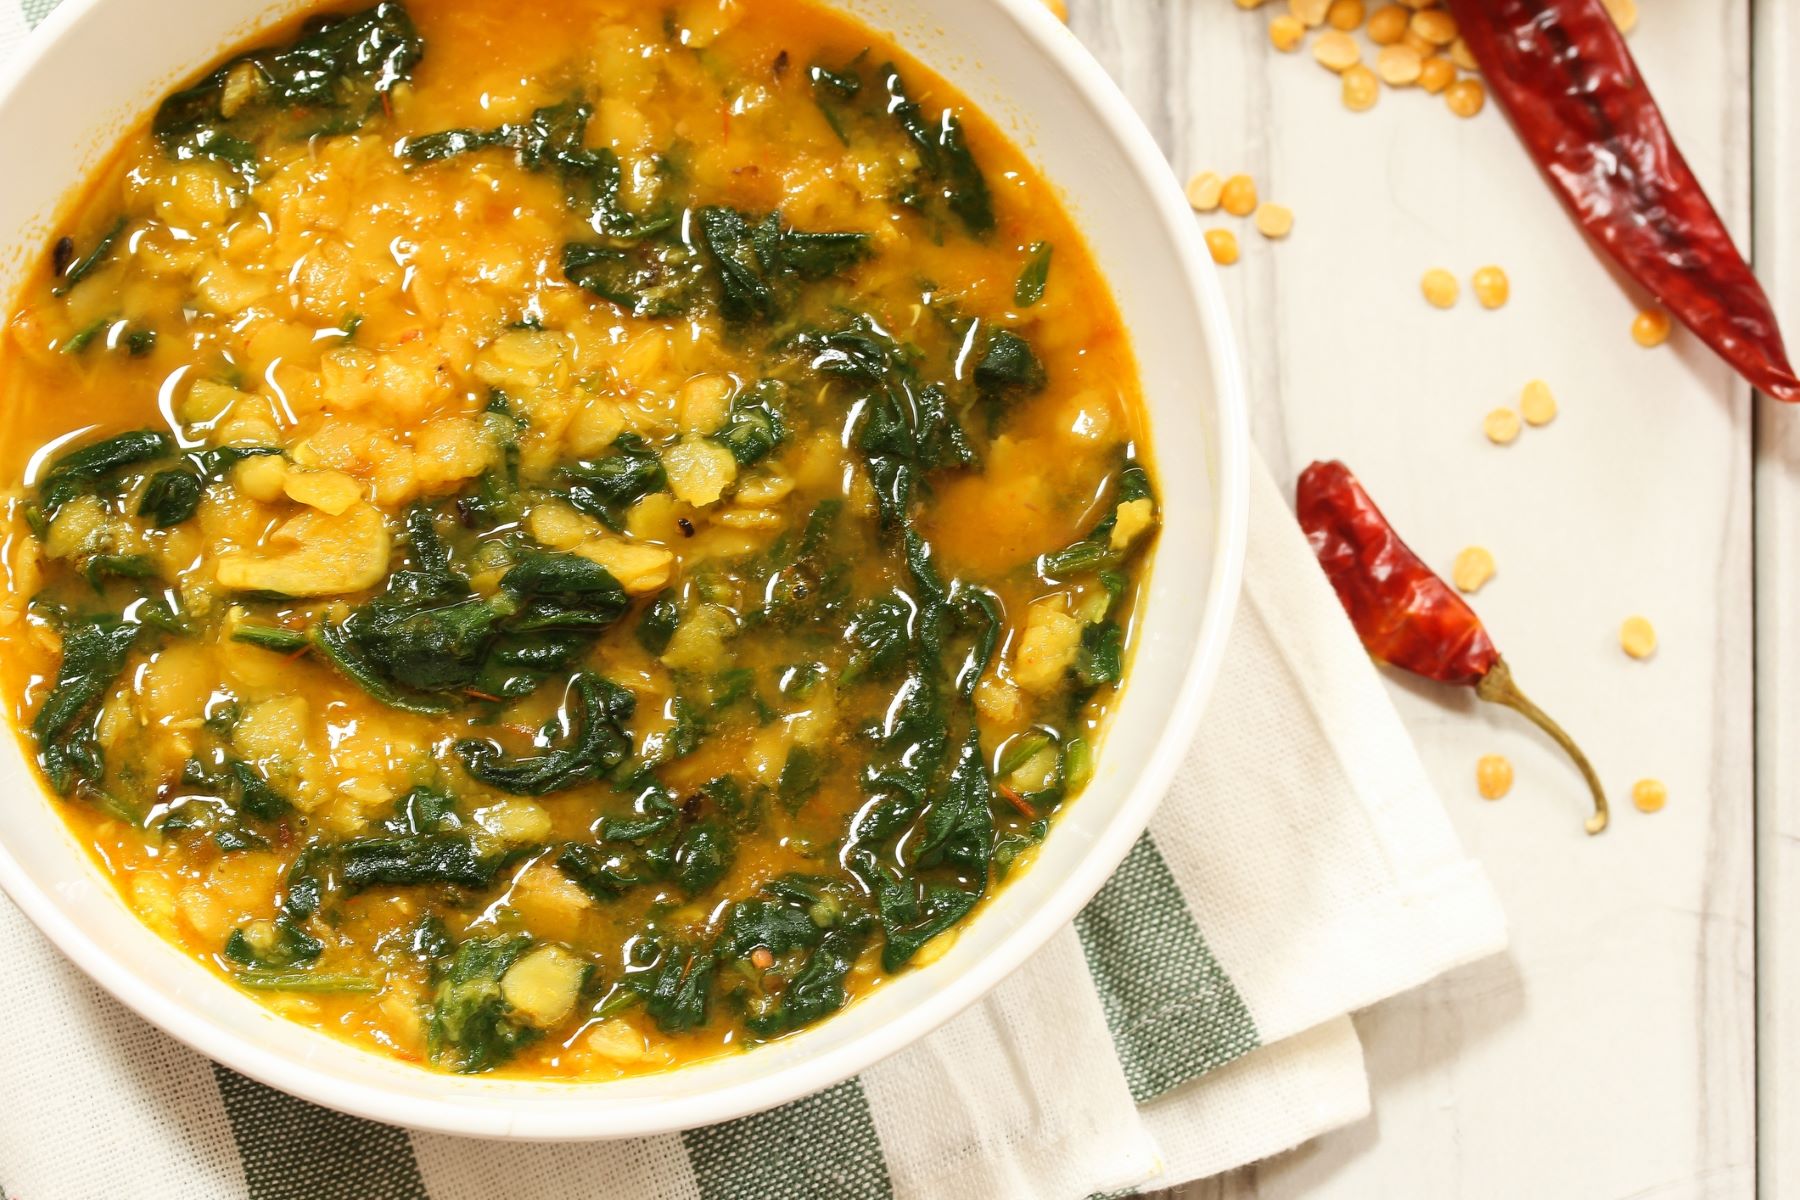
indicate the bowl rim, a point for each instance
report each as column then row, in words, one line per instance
column 294, row 1075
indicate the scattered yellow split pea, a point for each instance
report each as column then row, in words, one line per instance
column 1491, row 287
column 1274, row 220
column 1361, row 89
column 1336, row 50
column 1223, row 245
column 1412, row 41
column 1462, row 56
column 1310, row 12
column 1387, row 25
column 1623, row 12
column 1398, row 66
column 1238, row 196
column 1650, row 327
column 1440, row 287
column 1203, row 191
column 1536, row 403
column 1249, row 4
column 1058, row 9
column 1474, row 566
column 1493, row 776
column 1501, row 426
column 1649, row 795
column 1344, row 14
column 1434, row 25
column 1436, row 74
column 1286, row 33
column 1465, row 97
column 1637, row 637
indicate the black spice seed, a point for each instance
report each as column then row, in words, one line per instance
column 687, row 526
column 62, row 255
column 781, row 64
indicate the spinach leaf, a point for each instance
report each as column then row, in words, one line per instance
column 755, row 426
column 1095, row 551
column 677, row 988
column 553, row 139
column 702, row 855
column 412, row 860
column 606, row 487
column 329, row 80
column 94, row 650
column 649, row 279
column 80, row 472
column 797, row 913
column 657, row 624
column 597, row 742
column 279, row 945
column 1035, row 277
column 1008, row 367
column 173, row 495
column 90, row 262
column 759, row 260
column 948, row 172
column 1100, row 658
column 470, row 1027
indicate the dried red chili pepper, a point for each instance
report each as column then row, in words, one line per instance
column 1561, row 71
column 1405, row 615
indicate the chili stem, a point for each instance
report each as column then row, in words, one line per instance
column 1497, row 687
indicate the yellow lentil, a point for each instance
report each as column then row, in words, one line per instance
column 1387, row 25
column 1249, row 4
column 1501, row 426
column 1637, row 637
column 1238, row 196
column 1415, row 40
column 1623, row 12
column 1473, row 567
column 1462, row 56
column 1436, row 74
column 1310, row 12
column 1203, row 191
column 1440, row 287
column 1274, row 220
column 1360, row 89
column 1434, row 25
column 1336, row 50
column 1650, row 327
column 1649, row 795
column 1536, row 403
column 1398, row 65
column 1344, row 14
column 1286, row 33
column 1223, row 245
column 1465, row 97
column 1058, row 9
column 1493, row 776
column 1491, row 287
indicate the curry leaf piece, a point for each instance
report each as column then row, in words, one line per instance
column 454, row 859
column 597, row 742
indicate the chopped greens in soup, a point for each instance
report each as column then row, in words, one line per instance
column 567, row 537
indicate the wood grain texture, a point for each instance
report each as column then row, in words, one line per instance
column 1776, row 40
column 1612, row 1052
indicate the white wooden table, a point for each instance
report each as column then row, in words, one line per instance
column 1614, row 1051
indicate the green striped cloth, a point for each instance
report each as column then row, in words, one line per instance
column 1194, row 1018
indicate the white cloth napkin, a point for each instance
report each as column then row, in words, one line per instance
column 1193, row 1019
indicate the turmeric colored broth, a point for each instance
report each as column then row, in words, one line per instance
column 564, row 537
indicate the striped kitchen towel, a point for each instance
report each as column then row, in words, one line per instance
column 1194, row 1017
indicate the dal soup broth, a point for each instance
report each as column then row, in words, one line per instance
column 563, row 537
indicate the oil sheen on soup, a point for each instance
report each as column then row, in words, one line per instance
column 563, row 538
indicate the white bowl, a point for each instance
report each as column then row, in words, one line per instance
column 97, row 66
